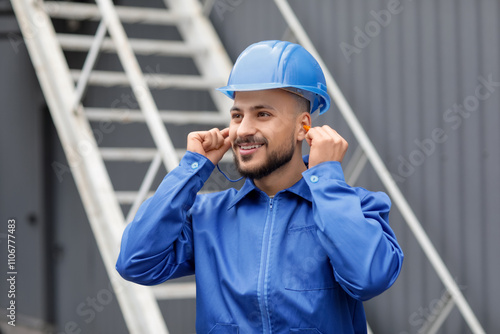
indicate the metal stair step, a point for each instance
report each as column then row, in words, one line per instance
column 132, row 154
column 128, row 197
column 168, row 116
column 140, row 154
column 168, row 291
column 154, row 81
column 74, row 42
column 128, row 154
column 84, row 11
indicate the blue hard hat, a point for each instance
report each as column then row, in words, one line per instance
column 279, row 64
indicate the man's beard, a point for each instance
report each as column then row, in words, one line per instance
column 275, row 160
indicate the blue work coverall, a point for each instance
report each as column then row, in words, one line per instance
column 301, row 262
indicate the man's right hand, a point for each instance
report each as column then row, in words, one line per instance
column 212, row 144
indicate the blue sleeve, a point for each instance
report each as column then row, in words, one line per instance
column 353, row 228
column 158, row 244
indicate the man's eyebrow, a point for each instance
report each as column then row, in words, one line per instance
column 254, row 108
column 262, row 106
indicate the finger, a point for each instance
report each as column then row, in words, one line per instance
column 226, row 145
column 206, row 140
column 309, row 137
column 209, row 140
column 220, row 148
column 327, row 133
column 317, row 133
column 220, row 140
column 225, row 133
column 225, row 142
column 313, row 134
column 337, row 137
column 332, row 133
column 215, row 138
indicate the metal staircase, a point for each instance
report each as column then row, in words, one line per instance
column 108, row 210
column 87, row 160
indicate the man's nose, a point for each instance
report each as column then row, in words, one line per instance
column 246, row 128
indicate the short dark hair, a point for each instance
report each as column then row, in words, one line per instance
column 303, row 104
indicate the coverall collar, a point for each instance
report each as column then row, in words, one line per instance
column 300, row 189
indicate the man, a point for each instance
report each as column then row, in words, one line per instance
column 296, row 250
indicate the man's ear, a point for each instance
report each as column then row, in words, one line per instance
column 303, row 119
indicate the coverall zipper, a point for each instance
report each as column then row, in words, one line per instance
column 262, row 288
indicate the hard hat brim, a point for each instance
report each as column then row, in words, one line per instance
column 324, row 99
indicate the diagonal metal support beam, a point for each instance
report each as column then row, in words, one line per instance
column 145, row 186
column 355, row 166
column 208, row 6
column 89, row 64
column 441, row 312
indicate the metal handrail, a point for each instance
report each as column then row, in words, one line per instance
column 382, row 171
column 139, row 84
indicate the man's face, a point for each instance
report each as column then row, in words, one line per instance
column 262, row 131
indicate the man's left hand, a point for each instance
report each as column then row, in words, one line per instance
column 326, row 145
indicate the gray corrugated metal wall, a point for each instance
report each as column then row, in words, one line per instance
column 405, row 78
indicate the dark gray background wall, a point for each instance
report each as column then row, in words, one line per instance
column 405, row 78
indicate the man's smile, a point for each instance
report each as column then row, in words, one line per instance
column 247, row 149
column 248, row 145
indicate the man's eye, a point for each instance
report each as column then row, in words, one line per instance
column 235, row 116
column 264, row 114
